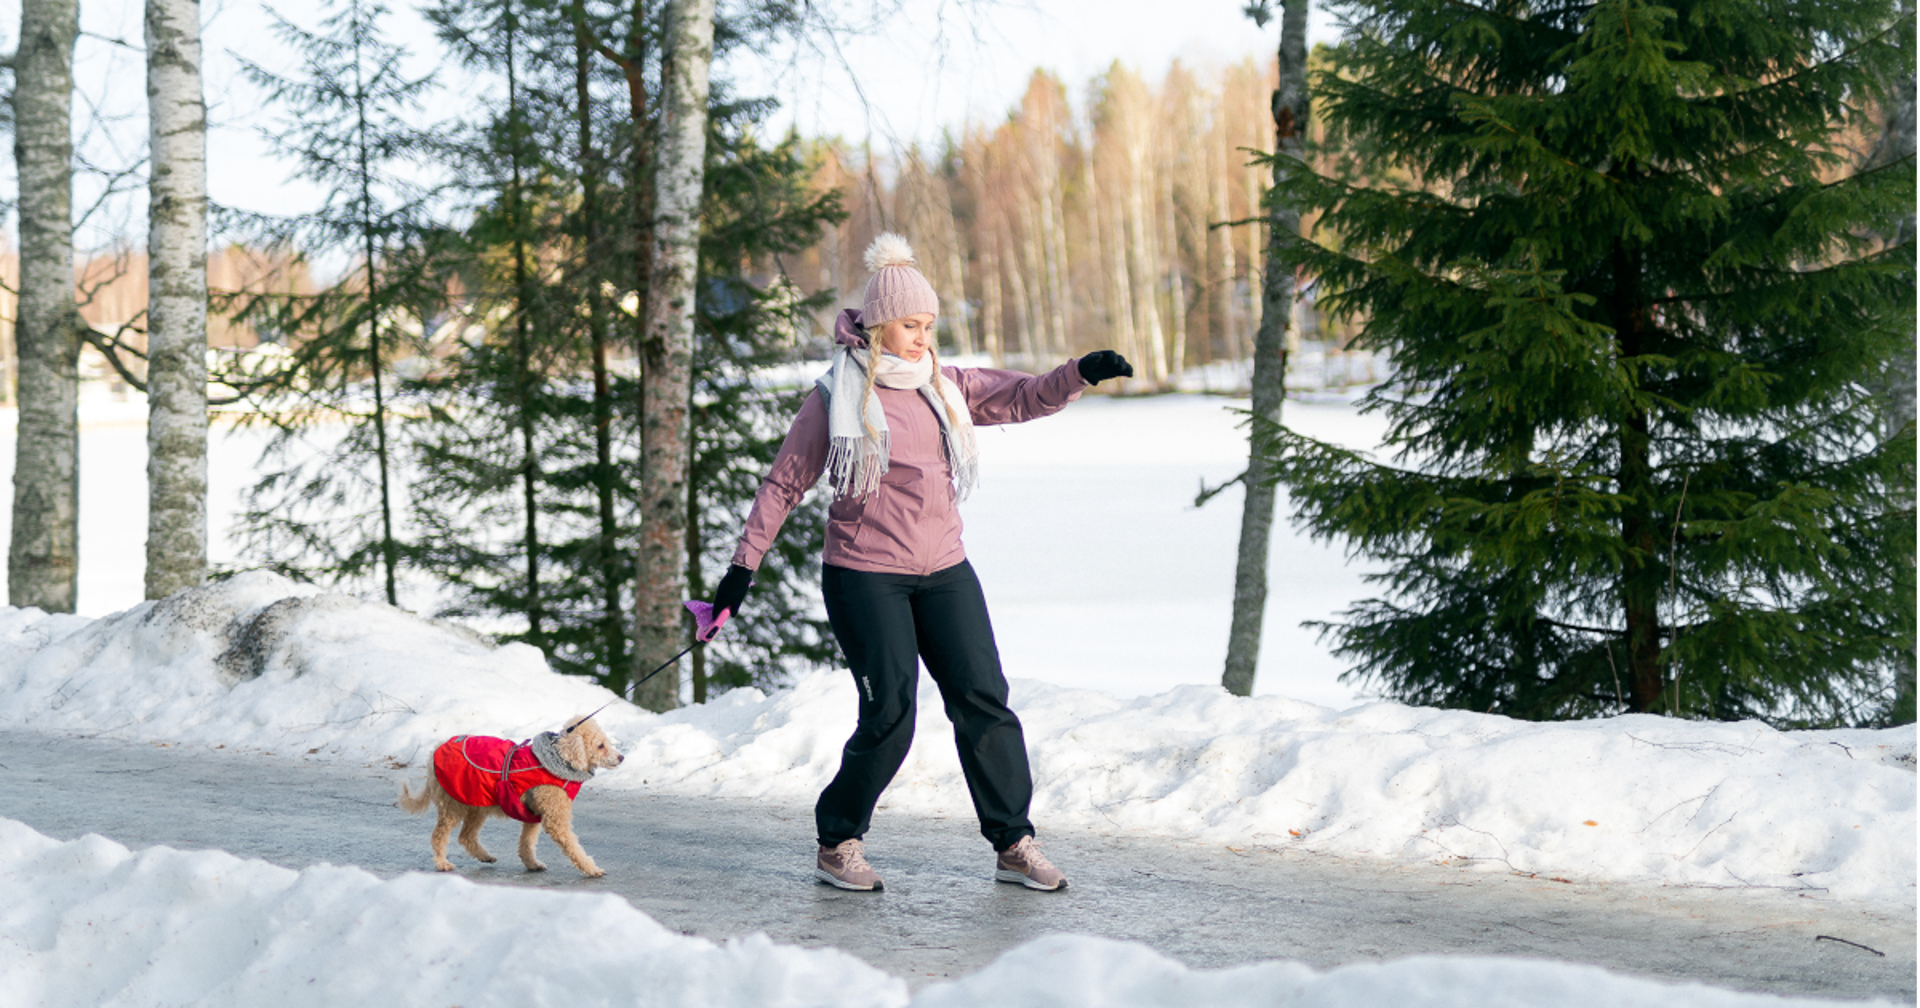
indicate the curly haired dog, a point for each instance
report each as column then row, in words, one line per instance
column 476, row 776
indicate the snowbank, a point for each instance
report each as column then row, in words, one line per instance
column 258, row 661
column 88, row 923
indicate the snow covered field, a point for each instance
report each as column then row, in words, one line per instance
column 1108, row 597
column 1083, row 523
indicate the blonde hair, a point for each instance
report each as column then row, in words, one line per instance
column 874, row 346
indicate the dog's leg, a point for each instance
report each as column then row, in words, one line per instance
column 470, row 834
column 442, row 829
column 556, row 816
column 529, row 839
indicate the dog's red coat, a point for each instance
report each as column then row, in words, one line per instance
column 468, row 768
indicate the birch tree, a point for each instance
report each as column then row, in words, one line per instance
column 177, row 301
column 1269, row 355
column 43, row 556
column 666, row 348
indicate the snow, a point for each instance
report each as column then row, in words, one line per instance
column 260, row 661
column 89, row 923
column 1110, row 595
column 1083, row 522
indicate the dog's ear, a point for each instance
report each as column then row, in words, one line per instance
column 573, row 748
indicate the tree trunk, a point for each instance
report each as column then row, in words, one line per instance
column 523, row 362
column 1146, row 263
column 1269, row 364
column 43, row 557
column 1177, row 355
column 666, row 355
column 177, row 301
column 1641, row 578
column 615, row 630
column 370, row 250
column 991, row 317
column 1896, row 142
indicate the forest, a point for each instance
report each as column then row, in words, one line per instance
column 1633, row 284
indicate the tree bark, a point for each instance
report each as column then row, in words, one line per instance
column 363, row 153
column 1269, row 363
column 43, row 556
column 615, row 630
column 176, row 301
column 524, row 377
column 1897, row 413
column 1641, row 577
column 666, row 354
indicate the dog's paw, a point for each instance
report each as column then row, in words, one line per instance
column 593, row 871
column 486, row 858
column 536, row 866
column 443, row 866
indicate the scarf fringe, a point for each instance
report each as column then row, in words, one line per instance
column 857, row 461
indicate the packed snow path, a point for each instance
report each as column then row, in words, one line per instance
column 719, row 868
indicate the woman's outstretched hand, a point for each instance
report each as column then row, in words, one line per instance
column 1100, row 365
column 732, row 590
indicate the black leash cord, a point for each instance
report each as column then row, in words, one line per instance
column 670, row 661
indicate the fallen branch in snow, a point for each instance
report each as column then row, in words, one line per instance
column 1843, row 941
column 1704, row 836
column 1725, row 748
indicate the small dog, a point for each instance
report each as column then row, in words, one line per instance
column 475, row 776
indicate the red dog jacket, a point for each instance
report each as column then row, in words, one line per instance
column 482, row 771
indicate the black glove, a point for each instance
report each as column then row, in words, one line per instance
column 732, row 590
column 1100, row 365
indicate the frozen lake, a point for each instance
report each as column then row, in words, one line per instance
column 1099, row 570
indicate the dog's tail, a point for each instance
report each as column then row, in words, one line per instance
column 413, row 804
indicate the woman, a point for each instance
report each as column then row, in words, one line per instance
column 893, row 432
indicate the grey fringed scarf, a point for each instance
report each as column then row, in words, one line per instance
column 855, row 461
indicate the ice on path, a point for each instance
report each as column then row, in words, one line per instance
column 259, row 661
column 89, row 923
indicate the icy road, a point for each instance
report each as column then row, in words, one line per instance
column 716, row 868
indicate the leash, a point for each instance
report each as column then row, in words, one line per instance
column 663, row 667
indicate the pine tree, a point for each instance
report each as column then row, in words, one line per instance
column 1635, row 302
column 331, row 515
column 518, row 487
column 759, row 206
column 543, row 553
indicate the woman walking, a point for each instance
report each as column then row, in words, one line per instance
column 893, row 432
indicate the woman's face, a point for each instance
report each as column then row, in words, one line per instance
column 908, row 338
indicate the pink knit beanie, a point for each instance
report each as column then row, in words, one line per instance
column 897, row 289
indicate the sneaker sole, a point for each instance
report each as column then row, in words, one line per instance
column 828, row 877
column 1009, row 875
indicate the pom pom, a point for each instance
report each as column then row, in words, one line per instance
column 888, row 250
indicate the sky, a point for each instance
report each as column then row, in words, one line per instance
column 896, row 72
column 939, row 64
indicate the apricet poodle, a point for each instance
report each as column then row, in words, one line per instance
column 476, row 777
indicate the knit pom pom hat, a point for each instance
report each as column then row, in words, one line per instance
column 897, row 289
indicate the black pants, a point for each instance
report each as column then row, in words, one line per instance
column 884, row 622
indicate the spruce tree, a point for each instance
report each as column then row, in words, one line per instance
column 543, row 553
column 1636, row 301
column 760, row 206
column 348, row 109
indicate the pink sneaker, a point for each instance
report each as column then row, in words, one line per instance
column 1023, row 863
column 845, row 866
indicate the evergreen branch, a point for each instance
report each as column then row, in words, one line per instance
column 1208, row 493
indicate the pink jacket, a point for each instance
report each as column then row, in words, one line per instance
column 910, row 525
